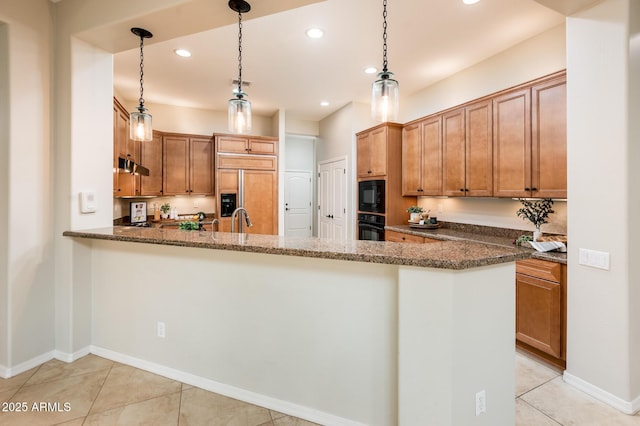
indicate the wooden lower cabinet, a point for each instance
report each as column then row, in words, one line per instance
column 541, row 309
column 401, row 237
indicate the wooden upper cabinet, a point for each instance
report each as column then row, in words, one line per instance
column 188, row 165
column 512, row 144
column 151, row 158
column 479, row 149
column 453, row 153
column 201, row 166
column 422, row 157
column 247, row 145
column 468, row 151
column 372, row 152
column 549, row 139
column 124, row 183
column 175, row 165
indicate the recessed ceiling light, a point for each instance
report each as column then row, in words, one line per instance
column 324, row 103
column 182, row 52
column 470, row 1
column 371, row 70
column 315, row 33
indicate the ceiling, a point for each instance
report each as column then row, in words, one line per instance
column 428, row 40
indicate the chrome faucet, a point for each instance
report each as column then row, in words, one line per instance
column 233, row 218
column 215, row 222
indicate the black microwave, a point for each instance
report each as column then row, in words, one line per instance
column 371, row 196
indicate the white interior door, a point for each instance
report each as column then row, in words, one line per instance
column 297, row 204
column 332, row 200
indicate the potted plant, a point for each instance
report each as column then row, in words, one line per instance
column 165, row 210
column 414, row 212
column 536, row 212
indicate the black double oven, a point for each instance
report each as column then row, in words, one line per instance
column 371, row 201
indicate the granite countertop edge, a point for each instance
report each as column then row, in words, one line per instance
column 455, row 255
column 448, row 234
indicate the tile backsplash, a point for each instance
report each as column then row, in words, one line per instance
column 497, row 212
column 185, row 205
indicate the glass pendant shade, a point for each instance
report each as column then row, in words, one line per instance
column 239, row 115
column 384, row 98
column 140, row 128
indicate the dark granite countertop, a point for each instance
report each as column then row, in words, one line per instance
column 448, row 254
column 483, row 234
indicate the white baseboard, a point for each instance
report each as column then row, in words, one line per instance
column 67, row 357
column 8, row 372
column 275, row 404
column 627, row 407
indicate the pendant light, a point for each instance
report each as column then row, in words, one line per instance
column 384, row 92
column 140, row 121
column 239, row 107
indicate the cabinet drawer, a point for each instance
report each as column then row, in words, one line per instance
column 400, row 237
column 253, row 162
column 550, row 271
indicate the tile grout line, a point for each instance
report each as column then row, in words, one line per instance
column 541, row 412
column 98, row 394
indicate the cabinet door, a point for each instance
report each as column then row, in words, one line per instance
column 363, row 155
column 453, row 153
column 151, row 158
column 261, row 201
column 201, row 166
column 175, row 162
column 549, row 139
column 231, row 144
column 263, row 146
column 512, row 144
column 539, row 314
column 431, row 164
column 479, row 150
column 378, row 152
column 411, row 159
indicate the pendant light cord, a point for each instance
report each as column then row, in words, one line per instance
column 240, row 55
column 384, row 37
column 141, row 100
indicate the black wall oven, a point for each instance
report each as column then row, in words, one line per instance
column 370, row 227
column 371, row 196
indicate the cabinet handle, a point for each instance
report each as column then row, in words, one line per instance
column 368, row 171
column 466, row 190
column 420, row 190
column 403, row 238
column 534, row 189
column 527, row 189
column 461, row 189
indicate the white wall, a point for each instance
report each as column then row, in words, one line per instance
column 314, row 333
column 603, row 331
column 4, row 194
column 533, row 58
column 169, row 118
column 25, row 219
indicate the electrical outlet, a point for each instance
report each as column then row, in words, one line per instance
column 161, row 329
column 440, row 210
column 195, row 203
column 481, row 402
column 595, row 259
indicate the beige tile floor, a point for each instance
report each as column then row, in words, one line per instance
column 103, row 392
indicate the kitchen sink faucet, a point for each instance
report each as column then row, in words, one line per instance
column 233, row 219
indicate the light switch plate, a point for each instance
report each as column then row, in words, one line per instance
column 595, row 259
column 88, row 202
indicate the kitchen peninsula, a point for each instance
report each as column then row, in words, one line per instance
column 356, row 332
